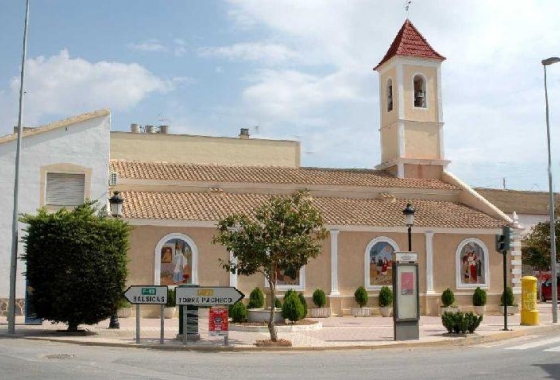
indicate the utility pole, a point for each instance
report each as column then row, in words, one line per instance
column 15, row 225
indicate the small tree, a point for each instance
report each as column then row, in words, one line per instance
column 238, row 312
column 361, row 296
column 286, row 232
column 479, row 297
column 447, row 297
column 256, row 299
column 292, row 308
column 507, row 298
column 385, row 297
column 319, row 298
column 303, row 303
column 171, row 298
column 536, row 244
column 73, row 257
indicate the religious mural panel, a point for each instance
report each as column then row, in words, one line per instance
column 471, row 261
column 380, row 264
column 176, row 257
column 288, row 277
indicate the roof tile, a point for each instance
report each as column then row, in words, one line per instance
column 409, row 42
column 269, row 174
column 335, row 210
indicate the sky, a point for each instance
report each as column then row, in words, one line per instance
column 294, row 70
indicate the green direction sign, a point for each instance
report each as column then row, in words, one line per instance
column 146, row 294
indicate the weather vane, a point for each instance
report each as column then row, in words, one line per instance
column 407, row 6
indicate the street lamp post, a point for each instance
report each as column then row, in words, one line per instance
column 547, row 62
column 115, row 203
column 408, row 213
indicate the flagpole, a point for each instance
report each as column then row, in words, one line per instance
column 15, row 226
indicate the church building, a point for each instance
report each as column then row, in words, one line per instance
column 176, row 187
column 174, row 202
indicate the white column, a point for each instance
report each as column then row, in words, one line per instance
column 334, row 262
column 516, row 262
column 232, row 276
column 429, row 262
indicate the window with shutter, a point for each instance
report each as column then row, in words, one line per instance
column 64, row 189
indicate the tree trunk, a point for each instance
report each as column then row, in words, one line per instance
column 72, row 326
column 271, row 325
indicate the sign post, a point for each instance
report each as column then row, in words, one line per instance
column 147, row 295
column 406, row 305
column 206, row 296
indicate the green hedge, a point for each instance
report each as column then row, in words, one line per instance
column 460, row 322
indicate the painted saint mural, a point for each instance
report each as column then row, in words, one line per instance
column 472, row 264
column 380, row 264
column 287, row 277
column 176, row 260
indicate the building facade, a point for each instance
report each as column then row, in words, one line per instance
column 62, row 164
column 174, row 206
column 176, row 188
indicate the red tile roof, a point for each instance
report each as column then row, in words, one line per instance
column 209, row 207
column 522, row 202
column 409, row 42
column 269, row 174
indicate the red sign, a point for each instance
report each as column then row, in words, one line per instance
column 218, row 321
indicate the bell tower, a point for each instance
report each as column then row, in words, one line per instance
column 411, row 114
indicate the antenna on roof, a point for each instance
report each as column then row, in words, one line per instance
column 407, row 6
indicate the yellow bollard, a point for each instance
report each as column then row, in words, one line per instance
column 529, row 311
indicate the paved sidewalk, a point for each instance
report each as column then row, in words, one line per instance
column 336, row 333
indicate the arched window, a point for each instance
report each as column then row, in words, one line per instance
column 472, row 264
column 389, row 95
column 378, row 262
column 176, row 258
column 419, row 91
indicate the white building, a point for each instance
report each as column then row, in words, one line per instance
column 62, row 164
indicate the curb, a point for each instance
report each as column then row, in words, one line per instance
column 446, row 340
column 287, row 328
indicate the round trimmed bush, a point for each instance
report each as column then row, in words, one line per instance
column 277, row 303
column 303, row 303
column 507, row 297
column 361, row 296
column 385, row 297
column 319, row 298
column 170, row 298
column 292, row 308
column 288, row 293
column 447, row 298
column 256, row 299
column 238, row 312
column 479, row 297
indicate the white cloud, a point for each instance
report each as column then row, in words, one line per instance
column 492, row 79
column 62, row 85
column 183, row 81
column 148, row 46
column 266, row 52
column 289, row 94
column 179, row 51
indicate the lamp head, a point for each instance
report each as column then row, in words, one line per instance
column 408, row 213
column 550, row 61
column 116, row 203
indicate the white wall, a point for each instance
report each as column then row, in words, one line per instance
column 85, row 143
column 528, row 221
